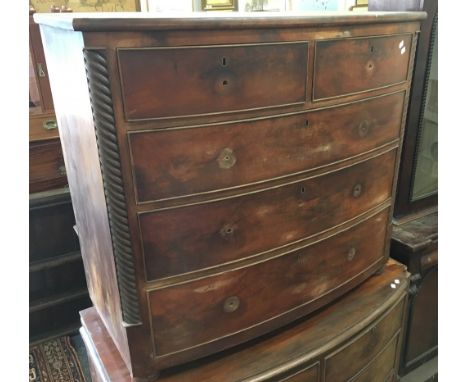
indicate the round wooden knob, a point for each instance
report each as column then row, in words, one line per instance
column 231, row 304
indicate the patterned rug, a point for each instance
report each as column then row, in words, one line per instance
column 54, row 361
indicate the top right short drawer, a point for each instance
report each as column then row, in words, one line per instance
column 354, row 65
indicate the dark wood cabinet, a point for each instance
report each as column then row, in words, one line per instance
column 415, row 244
column 57, row 284
column 229, row 175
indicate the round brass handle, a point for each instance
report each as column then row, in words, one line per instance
column 357, row 190
column 227, row 231
column 231, row 304
column 364, row 128
column 351, row 253
column 226, row 158
column 50, row 124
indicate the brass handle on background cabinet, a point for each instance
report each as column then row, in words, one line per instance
column 50, row 124
column 62, row 171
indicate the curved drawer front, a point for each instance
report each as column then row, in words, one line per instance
column 175, row 163
column 189, row 314
column 355, row 65
column 381, row 368
column 349, row 360
column 211, row 79
column 185, row 239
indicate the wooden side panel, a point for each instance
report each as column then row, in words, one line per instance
column 64, row 49
column 169, row 164
column 168, row 82
column 195, row 312
column 358, row 64
column 184, row 239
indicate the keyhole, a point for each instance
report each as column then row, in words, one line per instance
column 302, row 189
column 224, row 61
column 225, row 82
column 371, row 48
column 307, row 122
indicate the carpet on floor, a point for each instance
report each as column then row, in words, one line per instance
column 54, row 360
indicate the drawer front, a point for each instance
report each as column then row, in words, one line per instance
column 42, row 127
column 172, row 82
column 185, row 239
column 46, row 166
column 191, row 313
column 381, row 368
column 349, row 360
column 197, row 160
column 308, row 375
column 358, row 64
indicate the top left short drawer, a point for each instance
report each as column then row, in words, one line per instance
column 161, row 82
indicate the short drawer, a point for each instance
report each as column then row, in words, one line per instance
column 170, row 164
column 353, row 65
column 195, row 312
column 46, row 166
column 309, row 374
column 349, row 360
column 183, row 81
column 184, row 239
column 42, row 127
column 382, row 368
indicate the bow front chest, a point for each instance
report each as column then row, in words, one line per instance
column 229, row 174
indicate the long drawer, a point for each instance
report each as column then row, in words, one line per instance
column 199, row 80
column 185, row 239
column 191, row 313
column 360, row 64
column 175, row 163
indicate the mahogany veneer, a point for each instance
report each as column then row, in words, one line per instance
column 357, row 338
column 229, row 174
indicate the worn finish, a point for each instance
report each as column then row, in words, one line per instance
column 361, row 64
column 203, row 80
column 46, row 166
column 189, row 314
column 261, row 176
column 415, row 244
column 205, row 159
column 295, row 353
column 184, row 239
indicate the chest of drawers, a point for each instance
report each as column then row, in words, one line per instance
column 228, row 174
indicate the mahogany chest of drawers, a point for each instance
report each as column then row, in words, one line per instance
column 229, row 174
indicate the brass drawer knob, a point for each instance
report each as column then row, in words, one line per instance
column 227, row 231
column 231, row 304
column 226, row 158
column 357, row 190
column 363, row 128
column 351, row 253
column 50, row 124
